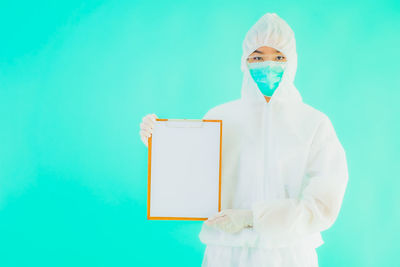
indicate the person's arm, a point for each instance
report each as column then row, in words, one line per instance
column 318, row 206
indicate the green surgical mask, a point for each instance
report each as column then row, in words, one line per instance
column 267, row 75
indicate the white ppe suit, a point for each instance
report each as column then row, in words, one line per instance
column 282, row 160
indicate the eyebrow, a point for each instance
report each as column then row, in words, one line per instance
column 256, row 51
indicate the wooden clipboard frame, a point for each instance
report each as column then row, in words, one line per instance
column 149, row 175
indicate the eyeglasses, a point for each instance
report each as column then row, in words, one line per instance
column 262, row 58
column 273, row 65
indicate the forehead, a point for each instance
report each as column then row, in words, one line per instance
column 266, row 50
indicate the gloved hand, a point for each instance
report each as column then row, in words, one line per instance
column 146, row 127
column 231, row 220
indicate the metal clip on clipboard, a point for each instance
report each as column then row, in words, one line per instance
column 176, row 123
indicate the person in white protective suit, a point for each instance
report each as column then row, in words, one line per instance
column 284, row 171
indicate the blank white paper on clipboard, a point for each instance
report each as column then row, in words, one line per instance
column 184, row 169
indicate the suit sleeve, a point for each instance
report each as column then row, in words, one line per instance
column 318, row 205
column 210, row 114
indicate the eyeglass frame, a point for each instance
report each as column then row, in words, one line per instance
column 262, row 56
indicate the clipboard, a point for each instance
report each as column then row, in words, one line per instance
column 170, row 151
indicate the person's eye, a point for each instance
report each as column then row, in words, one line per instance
column 280, row 57
column 257, row 58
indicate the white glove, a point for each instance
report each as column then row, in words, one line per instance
column 231, row 220
column 146, row 127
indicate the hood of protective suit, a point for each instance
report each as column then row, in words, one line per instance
column 281, row 159
column 270, row 30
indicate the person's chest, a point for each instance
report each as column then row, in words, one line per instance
column 264, row 156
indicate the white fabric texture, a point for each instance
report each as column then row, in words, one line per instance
column 282, row 159
column 244, row 256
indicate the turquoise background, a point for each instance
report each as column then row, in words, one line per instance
column 76, row 78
